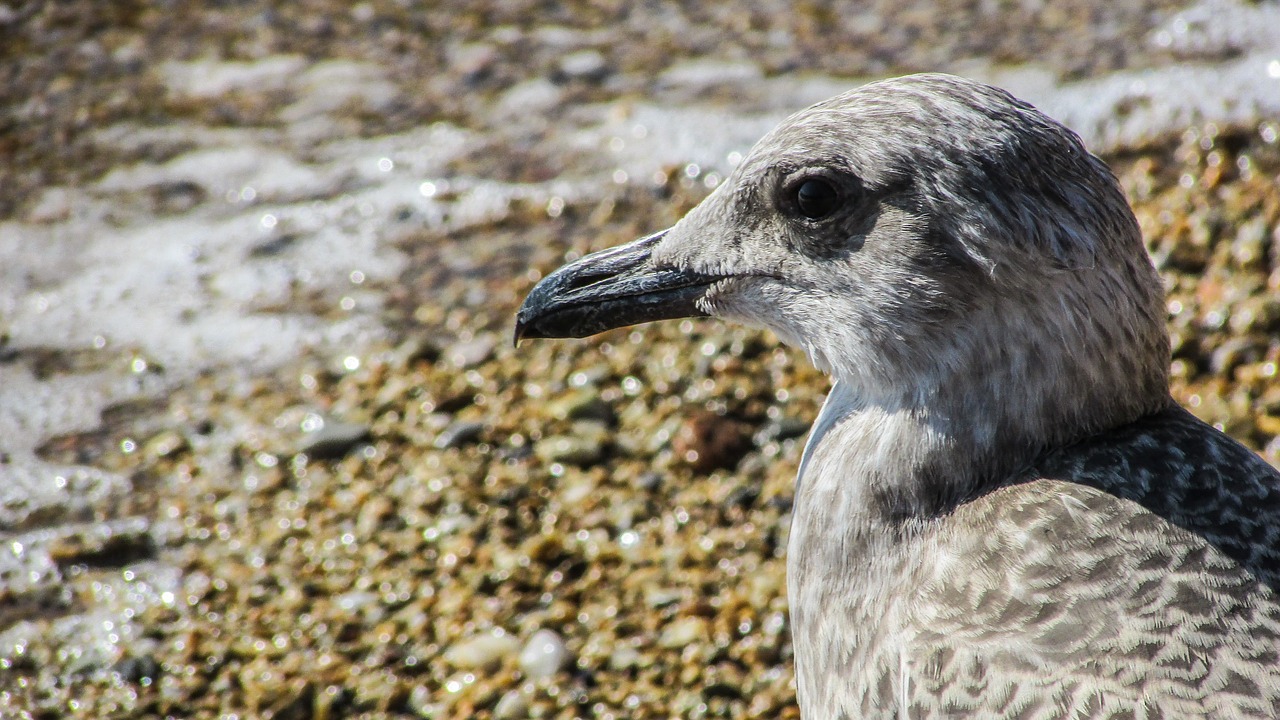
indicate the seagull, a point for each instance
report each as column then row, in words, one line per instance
column 1000, row 512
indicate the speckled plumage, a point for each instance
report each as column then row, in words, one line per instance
column 1128, row 575
column 1000, row 512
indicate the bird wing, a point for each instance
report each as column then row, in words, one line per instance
column 1134, row 575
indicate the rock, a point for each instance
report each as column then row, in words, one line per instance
column 333, row 439
column 473, row 61
column 648, row 481
column 358, row 602
column 166, row 443
column 656, row 597
column 1269, row 424
column 742, row 497
column 417, row 349
column 176, row 196
column 138, row 669
column 373, row 513
column 268, row 694
column 625, row 658
column 1269, row 401
column 513, row 705
column 422, row 703
column 1257, row 313
column 693, row 78
column 584, row 447
column 207, row 78
column 458, row 434
column 530, row 98
column 684, row 631
column 584, row 65
column 783, row 429
column 470, row 353
column 53, row 205
column 104, row 546
column 1232, row 353
column 483, row 651
column 1249, row 249
column 581, row 404
column 577, row 490
column 544, row 655
column 707, row 441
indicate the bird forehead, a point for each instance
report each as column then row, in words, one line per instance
column 816, row 134
column 826, row 143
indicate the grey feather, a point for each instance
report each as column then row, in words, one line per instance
column 1001, row 513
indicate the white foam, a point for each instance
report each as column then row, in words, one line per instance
column 206, row 79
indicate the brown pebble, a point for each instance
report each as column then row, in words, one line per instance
column 707, row 441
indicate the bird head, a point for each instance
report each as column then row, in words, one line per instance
column 904, row 234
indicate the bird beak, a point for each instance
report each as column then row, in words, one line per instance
column 609, row 289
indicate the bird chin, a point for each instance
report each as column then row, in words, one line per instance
column 745, row 299
column 719, row 298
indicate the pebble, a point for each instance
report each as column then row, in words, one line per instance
column 702, row 75
column 472, row 60
column 415, row 350
column 544, row 655
column 584, row 404
column 373, row 513
column 584, row 65
column 421, row 702
column 783, row 429
column 584, row 447
column 648, row 481
column 333, row 439
column 470, row 353
column 708, row 441
column 484, row 651
column 104, row 546
column 657, row 597
column 684, row 631
column 1258, row 313
column 166, row 443
column 513, row 705
column 357, row 602
column 458, row 434
column 625, row 658
column 1232, row 353
column 530, row 98
column 137, row 668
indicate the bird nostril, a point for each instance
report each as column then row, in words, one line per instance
column 585, row 279
column 606, row 265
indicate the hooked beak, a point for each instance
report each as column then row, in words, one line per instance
column 609, row 289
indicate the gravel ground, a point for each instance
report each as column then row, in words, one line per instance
column 440, row 525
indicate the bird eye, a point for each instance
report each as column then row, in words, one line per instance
column 816, row 198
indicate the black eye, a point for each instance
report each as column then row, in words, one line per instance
column 816, row 198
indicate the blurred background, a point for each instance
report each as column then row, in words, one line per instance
column 266, row 450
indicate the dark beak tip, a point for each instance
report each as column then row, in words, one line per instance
column 529, row 317
column 521, row 332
